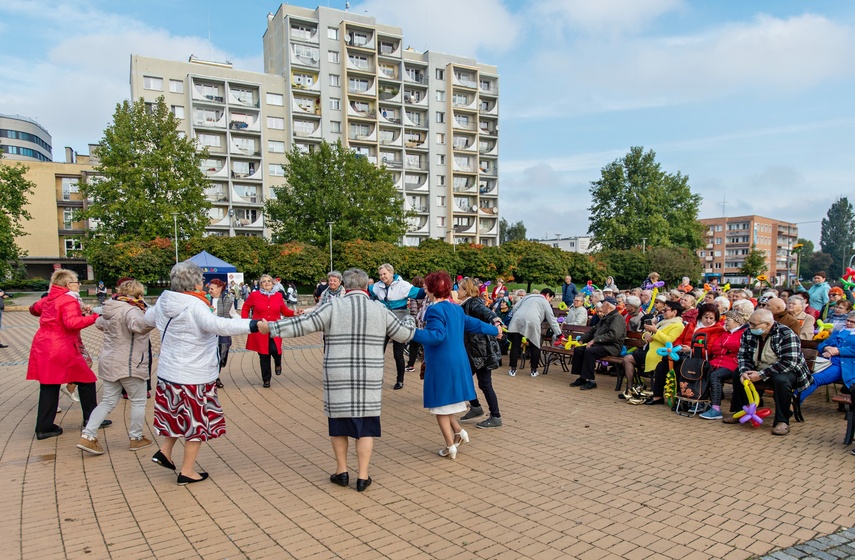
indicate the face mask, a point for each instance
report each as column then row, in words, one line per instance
column 757, row 332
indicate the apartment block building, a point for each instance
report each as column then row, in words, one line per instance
column 54, row 238
column 24, row 139
column 730, row 239
column 240, row 117
column 572, row 244
column 430, row 118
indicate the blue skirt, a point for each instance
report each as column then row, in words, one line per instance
column 368, row 426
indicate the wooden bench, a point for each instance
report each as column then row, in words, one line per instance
column 846, row 401
column 550, row 353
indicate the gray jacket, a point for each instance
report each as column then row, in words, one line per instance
column 125, row 350
column 354, row 330
column 529, row 313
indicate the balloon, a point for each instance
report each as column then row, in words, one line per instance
column 560, row 320
column 659, row 284
column 849, row 274
column 846, row 284
column 823, row 326
column 750, row 412
column 487, row 283
column 726, row 287
column 707, row 288
column 573, row 343
column 669, row 351
column 562, row 306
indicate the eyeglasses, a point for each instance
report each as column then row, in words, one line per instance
column 75, row 282
column 756, row 325
column 850, row 321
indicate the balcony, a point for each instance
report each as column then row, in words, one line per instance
column 249, row 150
column 488, row 131
column 467, row 186
column 369, row 135
column 487, row 188
column 389, row 48
column 418, row 165
column 360, row 65
column 467, row 103
column 304, row 34
column 216, row 169
column 250, row 173
column 391, row 138
column 247, row 195
column 488, row 210
column 207, row 93
column 368, row 91
column 420, row 224
column 463, row 144
column 488, row 226
column 415, row 99
column 213, row 121
column 389, row 116
column 465, row 228
column 489, row 87
column 416, row 143
column 305, row 82
column 415, row 78
column 217, row 219
column 307, row 129
column 420, row 185
column 489, row 108
column 306, row 106
column 362, row 39
column 489, row 171
column 216, row 195
column 462, row 125
column 415, row 120
column 392, row 163
column 247, row 223
column 361, row 110
column 464, row 165
column 464, row 80
column 243, row 98
column 393, row 95
column 488, row 148
column 245, row 124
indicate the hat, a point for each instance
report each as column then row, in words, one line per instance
column 836, row 290
column 217, row 282
column 122, row 280
column 661, row 298
column 610, row 300
column 607, row 289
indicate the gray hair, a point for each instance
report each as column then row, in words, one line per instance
column 721, row 300
column 386, row 266
column 263, row 276
column 743, row 306
column 850, row 315
column 763, row 315
column 355, row 279
column 633, row 301
column 797, row 299
column 185, row 276
column 334, row 274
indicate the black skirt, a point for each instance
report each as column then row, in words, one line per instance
column 368, row 426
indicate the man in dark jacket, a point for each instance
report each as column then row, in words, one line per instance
column 605, row 339
column 568, row 291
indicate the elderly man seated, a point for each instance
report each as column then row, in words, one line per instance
column 839, row 349
column 772, row 353
column 604, row 339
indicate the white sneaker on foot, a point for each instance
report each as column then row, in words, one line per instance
column 512, row 373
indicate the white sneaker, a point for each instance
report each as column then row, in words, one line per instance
column 534, row 373
column 73, row 396
column 512, row 373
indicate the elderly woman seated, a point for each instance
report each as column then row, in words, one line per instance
column 657, row 336
column 723, row 304
column 839, row 349
column 796, row 308
column 634, row 314
column 577, row 315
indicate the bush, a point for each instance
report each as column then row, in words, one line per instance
column 25, row 285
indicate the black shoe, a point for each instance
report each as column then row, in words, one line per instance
column 106, row 423
column 4, row 346
column 361, row 484
column 578, row 383
column 53, row 432
column 653, row 400
column 398, row 385
column 161, row 460
column 588, row 385
column 278, row 370
column 185, row 480
column 266, row 384
column 342, row 479
column 218, row 383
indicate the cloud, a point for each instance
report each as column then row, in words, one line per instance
column 611, row 16
column 449, row 26
column 767, row 56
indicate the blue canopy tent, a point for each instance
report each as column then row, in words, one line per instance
column 212, row 267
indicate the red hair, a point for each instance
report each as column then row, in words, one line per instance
column 439, row 284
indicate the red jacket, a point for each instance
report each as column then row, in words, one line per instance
column 262, row 306
column 685, row 339
column 55, row 356
column 724, row 349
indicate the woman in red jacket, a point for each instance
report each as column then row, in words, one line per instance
column 55, row 355
column 723, row 360
column 266, row 303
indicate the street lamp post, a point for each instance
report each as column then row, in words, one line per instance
column 643, row 245
column 330, row 224
column 175, row 225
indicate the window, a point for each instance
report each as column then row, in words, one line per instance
column 67, row 218
column 440, row 95
column 440, row 74
column 702, row 254
column 304, row 80
column 357, row 84
column 440, row 117
column 73, row 245
column 209, row 140
column 178, row 111
column 718, row 265
column 277, row 123
column 386, row 47
column 718, row 240
column 275, row 147
column 460, row 99
column 244, row 96
column 275, row 169
column 717, row 253
column 332, row 33
column 358, row 130
column 440, row 200
column 150, row 82
column 335, row 126
column 486, row 85
column 440, row 221
column 176, row 86
column 302, row 31
column 335, row 80
column 307, row 55
column 440, row 159
column 332, row 56
column 275, row 99
column 335, row 104
column 359, row 61
column 440, row 180
column 718, row 228
column 440, row 138
column 69, row 187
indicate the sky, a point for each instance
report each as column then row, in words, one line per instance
column 753, row 101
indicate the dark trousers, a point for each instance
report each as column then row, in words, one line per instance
column 49, row 401
column 414, row 353
column 398, row 352
column 585, row 359
column 265, row 360
column 516, row 348
column 782, row 388
column 485, row 383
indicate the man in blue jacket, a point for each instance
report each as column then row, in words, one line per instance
column 395, row 293
column 568, row 291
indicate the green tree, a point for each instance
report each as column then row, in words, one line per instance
column 333, row 184
column 14, row 188
column 147, row 261
column 535, row 263
column 249, row 254
column 672, row 263
column 366, row 255
column 511, row 232
column 629, row 267
column 298, row 262
column 636, row 200
column 147, row 171
column 754, row 264
column 817, row 262
column 431, row 255
column 837, row 238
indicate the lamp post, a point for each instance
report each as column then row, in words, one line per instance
column 175, row 226
column 643, row 245
column 330, row 224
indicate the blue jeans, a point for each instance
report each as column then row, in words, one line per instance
column 831, row 374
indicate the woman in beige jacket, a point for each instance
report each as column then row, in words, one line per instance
column 124, row 363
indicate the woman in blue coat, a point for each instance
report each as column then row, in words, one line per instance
column 448, row 383
column 840, row 349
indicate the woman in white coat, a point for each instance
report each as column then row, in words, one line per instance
column 186, row 403
column 528, row 314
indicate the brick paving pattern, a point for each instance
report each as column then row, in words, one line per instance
column 572, row 474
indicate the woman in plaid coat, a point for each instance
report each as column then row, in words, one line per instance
column 354, row 329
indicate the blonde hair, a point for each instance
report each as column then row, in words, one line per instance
column 132, row 288
column 468, row 288
column 63, row 277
